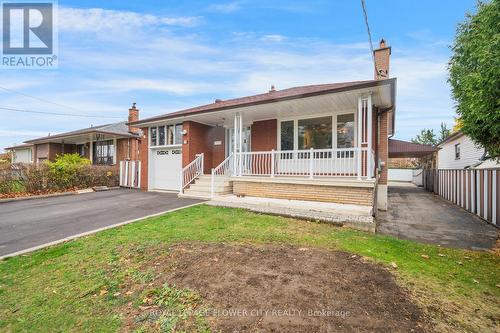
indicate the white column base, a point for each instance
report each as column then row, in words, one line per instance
column 382, row 197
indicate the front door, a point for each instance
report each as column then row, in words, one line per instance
column 230, row 140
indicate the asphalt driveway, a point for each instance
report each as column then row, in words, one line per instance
column 416, row 214
column 30, row 223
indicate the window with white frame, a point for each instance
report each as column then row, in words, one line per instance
column 457, row 151
column 317, row 132
column 103, row 152
column 345, row 130
column 287, row 136
column 314, row 133
column 165, row 135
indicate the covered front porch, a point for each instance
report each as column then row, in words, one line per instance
column 328, row 140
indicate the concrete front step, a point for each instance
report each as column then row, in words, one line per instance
column 208, row 180
column 200, row 194
column 208, row 188
column 201, row 188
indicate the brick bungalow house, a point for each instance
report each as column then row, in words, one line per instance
column 326, row 142
column 103, row 145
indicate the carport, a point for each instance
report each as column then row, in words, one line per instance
column 418, row 215
column 404, row 155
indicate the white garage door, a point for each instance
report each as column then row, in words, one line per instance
column 166, row 166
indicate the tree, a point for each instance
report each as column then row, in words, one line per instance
column 444, row 132
column 426, row 137
column 474, row 75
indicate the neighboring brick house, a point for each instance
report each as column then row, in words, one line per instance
column 326, row 142
column 104, row 144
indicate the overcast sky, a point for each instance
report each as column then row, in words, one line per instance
column 169, row 55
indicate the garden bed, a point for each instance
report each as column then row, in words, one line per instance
column 272, row 289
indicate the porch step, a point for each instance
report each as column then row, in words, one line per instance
column 207, row 179
column 202, row 186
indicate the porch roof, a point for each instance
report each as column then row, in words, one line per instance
column 21, row 146
column 257, row 107
column 399, row 149
column 115, row 130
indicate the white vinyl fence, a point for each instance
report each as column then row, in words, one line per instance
column 130, row 174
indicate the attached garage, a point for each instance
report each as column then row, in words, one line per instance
column 165, row 169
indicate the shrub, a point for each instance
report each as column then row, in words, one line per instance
column 66, row 173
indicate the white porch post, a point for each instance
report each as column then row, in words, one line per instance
column 115, row 150
column 240, row 128
column 360, row 131
column 369, row 116
column 235, row 144
column 91, row 151
column 238, row 144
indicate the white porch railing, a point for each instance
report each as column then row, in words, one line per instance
column 342, row 162
column 226, row 168
column 191, row 171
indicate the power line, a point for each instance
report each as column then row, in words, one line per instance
column 56, row 113
column 363, row 4
column 39, row 99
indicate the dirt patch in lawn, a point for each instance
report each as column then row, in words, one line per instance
column 287, row 289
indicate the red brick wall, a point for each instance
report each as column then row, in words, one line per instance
column 143, row 157
column 41, row 151
column 121, row 150
column 196, row 141
column 374, row 136
column 199, row 139
column 218, row 152
column 264, row 135
column 57, row 148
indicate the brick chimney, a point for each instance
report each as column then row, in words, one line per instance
column 382, row 56
column 133, row 115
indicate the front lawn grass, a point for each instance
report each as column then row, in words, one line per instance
column 82, row 285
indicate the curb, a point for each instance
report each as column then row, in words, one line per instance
column 91, row 232
column 38, row 197
column 52, row 195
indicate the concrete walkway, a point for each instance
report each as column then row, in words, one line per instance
column 418, row 215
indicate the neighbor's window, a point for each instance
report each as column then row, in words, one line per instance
column 315, row 133
column 457, row 151
column 345, row 131
column 153, row 136
column 103, row 152
column 287, row 135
